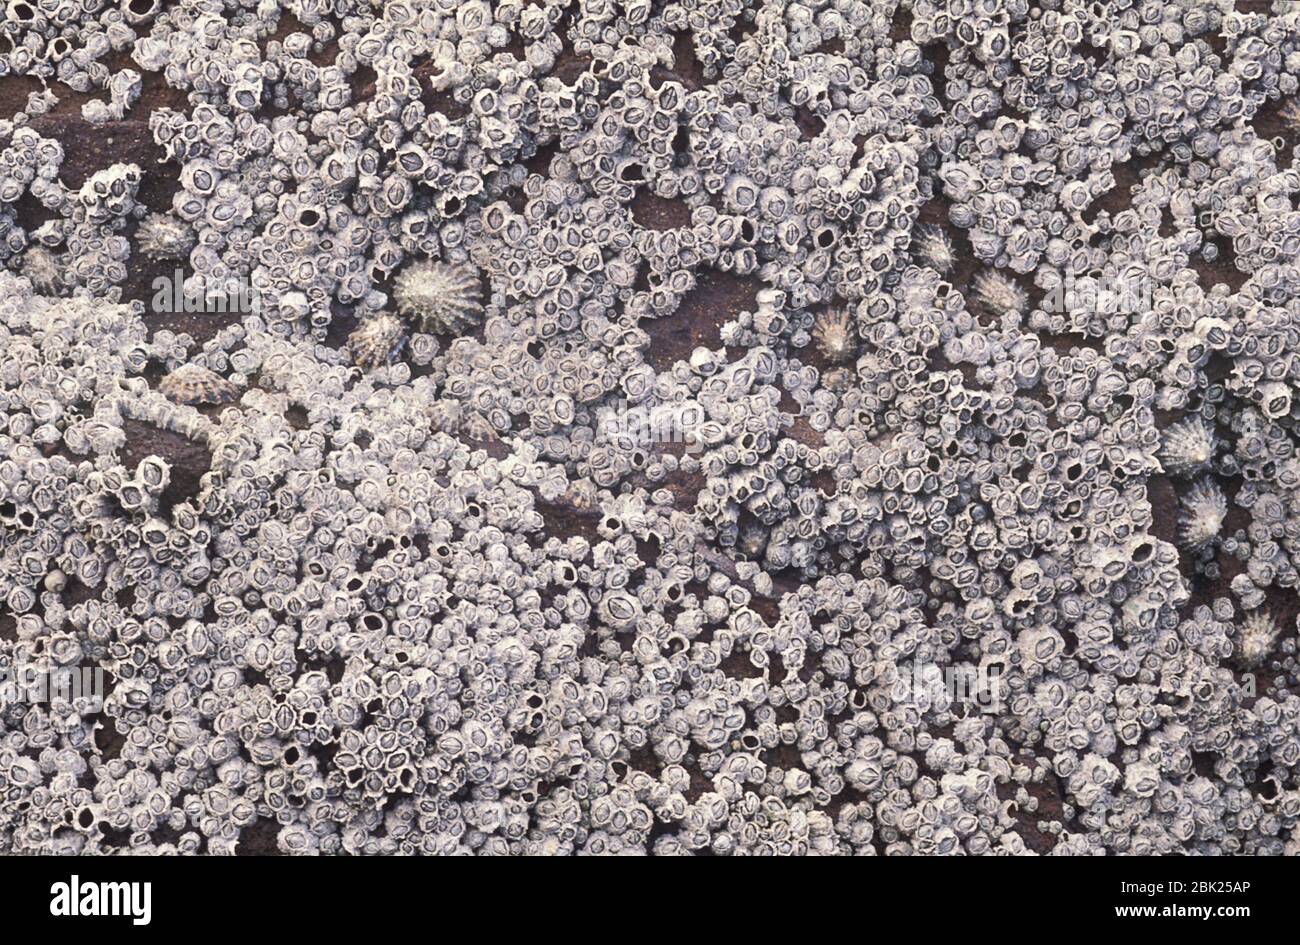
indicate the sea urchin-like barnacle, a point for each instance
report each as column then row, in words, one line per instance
column 191, row 384
column 998, row 292
column 933, row 248
column 1187, row 447
column 377, row 341
column 163, row 236
column 836, row 335
column 445, row 298
column 1204, row 509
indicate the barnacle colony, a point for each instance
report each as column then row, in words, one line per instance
column 895, row 564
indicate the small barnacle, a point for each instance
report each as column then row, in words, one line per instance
column 1187, row 447
column 163, row 236
column 41, row 267
column 1258, row 634
column 998, row 292
column 445, row 298
column 934, row 248
column 191, row 384
column 377, row 341
column 1204, row 509
column 836, row 335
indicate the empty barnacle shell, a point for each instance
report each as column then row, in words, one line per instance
column 191, row 384
column 377, row 341
column 836, row 335
column 997, row 292
column 444, row 297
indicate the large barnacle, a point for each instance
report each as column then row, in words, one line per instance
column 444, row 298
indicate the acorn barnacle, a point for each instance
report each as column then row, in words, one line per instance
column 1204, row 510
column 445, row 298
column 163, row 236
column 934, row 248
column 377, row 341
column 191, row 384
column 1187, row 447
column 836, row 335
column 998, row 292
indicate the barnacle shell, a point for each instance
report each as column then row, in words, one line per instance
column 191, row 384
column 445, row 298
column 377, row 341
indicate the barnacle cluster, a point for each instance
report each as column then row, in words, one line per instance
column 711, row 426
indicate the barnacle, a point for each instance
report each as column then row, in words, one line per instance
column 933, row 247
column 191, row 384
column 163, row 236
column 836, row 335
column 1204, row 510
column 377, row 341
column 1186, row 448
column 996, row 291
column 445, row 298
column 626, row 568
